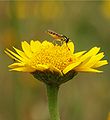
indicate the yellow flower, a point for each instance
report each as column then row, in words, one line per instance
column 38, row 57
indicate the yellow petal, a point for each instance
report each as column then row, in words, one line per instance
column 20, row 52
column 10, row 55
column 27, row 49
column 90, row 53
column 93, row 60
column 24, row 69
column 15, row 65
column 35, row 45
column 70, row 67
column 71, row 46
column 54, row 69
column 78, row 54
column 81, row 69
column 15, row 56
column 46, row 44
column 23, row 56
column 100, row 63
column 41, row 67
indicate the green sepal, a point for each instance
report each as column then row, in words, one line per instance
column 53, row 78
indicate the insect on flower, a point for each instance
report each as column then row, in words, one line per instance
column 57, row 36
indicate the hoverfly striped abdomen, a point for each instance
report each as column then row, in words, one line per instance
column 57, row 36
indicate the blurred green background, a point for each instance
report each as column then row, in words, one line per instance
column 87, row 97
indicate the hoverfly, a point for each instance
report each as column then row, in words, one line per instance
column 58, row 37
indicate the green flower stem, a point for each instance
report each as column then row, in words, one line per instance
column 52, row 93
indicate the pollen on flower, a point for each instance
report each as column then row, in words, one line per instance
column 59, row 57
